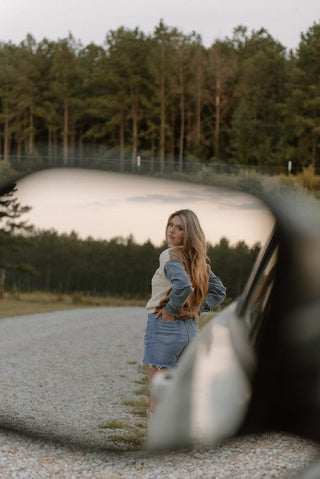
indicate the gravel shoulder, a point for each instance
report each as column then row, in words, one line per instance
column 67, row 373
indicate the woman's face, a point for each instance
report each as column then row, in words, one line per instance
column 175, row 232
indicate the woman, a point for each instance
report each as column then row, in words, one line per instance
column 182, row 287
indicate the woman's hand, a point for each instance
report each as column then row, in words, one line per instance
column 165, row 316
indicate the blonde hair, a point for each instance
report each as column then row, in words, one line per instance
column 195, row 254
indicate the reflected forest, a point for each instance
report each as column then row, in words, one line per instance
column 39, row 260
column 66, row 264
column 163, row 98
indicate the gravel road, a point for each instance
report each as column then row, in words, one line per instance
column 65, row 375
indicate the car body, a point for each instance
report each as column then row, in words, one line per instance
column 256, row 365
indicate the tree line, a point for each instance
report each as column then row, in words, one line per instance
column 161, row 99
column 64, row 263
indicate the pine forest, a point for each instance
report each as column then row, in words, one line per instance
column 162, row 99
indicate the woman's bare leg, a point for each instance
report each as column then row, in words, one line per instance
column 151, row 371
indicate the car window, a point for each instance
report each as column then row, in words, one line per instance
column 260, row 300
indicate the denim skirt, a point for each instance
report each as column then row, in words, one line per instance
column 165, row 341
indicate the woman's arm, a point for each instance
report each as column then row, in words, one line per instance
column 216, row 293
column 181, row 287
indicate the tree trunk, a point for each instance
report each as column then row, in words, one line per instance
column 19, row 148
column 182, row 117
column 6, row 147
column 314, row 154
column 162, row 112
column 55, row 143
column 198, row 99
column 80, row 147
column 31, row 134
column 2, row 281
column 49, row 145
column 153, row 147
column 73, row 145
column 218, row 116
column 134, row 131
column 122, row 145
column 172, row 140
column 65, row 134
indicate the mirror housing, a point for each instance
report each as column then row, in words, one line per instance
column 227, row 384
column 286, row 386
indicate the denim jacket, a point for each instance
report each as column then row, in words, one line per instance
column 171, row 288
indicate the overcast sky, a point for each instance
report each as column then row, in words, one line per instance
column 105, row 205
column 90, row 20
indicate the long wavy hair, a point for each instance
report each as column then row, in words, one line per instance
column 195, row 253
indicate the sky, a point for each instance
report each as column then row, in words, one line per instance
column 90, row 20
column 105, row 205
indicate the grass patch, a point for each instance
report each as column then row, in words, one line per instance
column 124, row 436
column 143, row 391
column 142, row 370
column 140, row 381
column 130, row 440
column 139, row 406
column 17, row 304
column 13, row 307
column 113, row 424
column 128, row 437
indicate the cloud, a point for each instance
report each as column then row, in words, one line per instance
column 157, row 198
column 221, row 199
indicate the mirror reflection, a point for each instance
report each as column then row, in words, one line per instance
column 75, row 373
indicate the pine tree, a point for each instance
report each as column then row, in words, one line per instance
column 11, row 230
column 303, row 105
column 260, row 93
